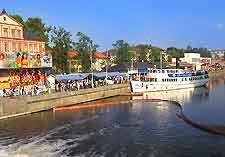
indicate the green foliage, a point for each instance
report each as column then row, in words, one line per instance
column 142, row 51
column 155, row 54
column 204, row 52
column 86, row 48
column 61, row 43
column 124, row 56
column 174, row 52
column 37, row 26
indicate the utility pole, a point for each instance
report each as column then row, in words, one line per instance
column 92, row 75
column 161, row 59
column 70, row 65
column 106, row 67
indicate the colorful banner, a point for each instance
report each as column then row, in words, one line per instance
column 24, row 60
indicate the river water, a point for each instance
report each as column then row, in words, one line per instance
column 141, row 129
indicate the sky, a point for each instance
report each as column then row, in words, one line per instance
column 163, row 23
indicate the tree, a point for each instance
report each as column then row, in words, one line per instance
column 123, row 56
column 61, row 43
column 37, row 26
column 154, row 54
column 204, row 52
column 142, row 51
column 86, row 48
column 174, row 52
column 189, row 48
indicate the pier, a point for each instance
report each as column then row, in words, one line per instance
column 17, row 106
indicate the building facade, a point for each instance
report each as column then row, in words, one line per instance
column 21, row 53
column 14, row 38
column 100, row 60
column 217, row 54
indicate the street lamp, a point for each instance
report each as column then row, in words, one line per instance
column 92, row 75
column 106, row 67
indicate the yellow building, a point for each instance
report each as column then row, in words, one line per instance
column 100, row 60
column 13, row 37
column 21, row 51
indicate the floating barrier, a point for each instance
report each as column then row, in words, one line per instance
column 87, row 106
column 213, row 129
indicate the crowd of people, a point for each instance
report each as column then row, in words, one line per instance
column 35, row 82
column 63, row 86
column 213, row 67
column 26, row 82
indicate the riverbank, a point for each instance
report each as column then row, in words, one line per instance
column 12, row 107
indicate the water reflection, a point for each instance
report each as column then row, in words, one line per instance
column 182, row 96
column 133, row 129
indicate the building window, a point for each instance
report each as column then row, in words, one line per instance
column 40, row 48
column 5, row 32
column 25, row 47
column 6, row 47
column 4, row 18
column 19, row 47
column 13, row 33
column 31, row 48
column 19, row 33
column 14, row 46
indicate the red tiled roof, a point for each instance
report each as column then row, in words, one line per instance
column 101, row 55
column 98, row 55
column 72, row 54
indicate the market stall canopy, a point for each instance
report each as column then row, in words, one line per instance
column 72, row 77
column 109, row 74
column 82, row 76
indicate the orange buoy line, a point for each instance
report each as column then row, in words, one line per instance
column 80, row 107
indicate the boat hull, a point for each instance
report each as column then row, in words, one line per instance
column 141, row 86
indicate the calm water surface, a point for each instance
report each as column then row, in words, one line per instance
column 128, row 130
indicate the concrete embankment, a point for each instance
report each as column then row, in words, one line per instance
column 11, row 107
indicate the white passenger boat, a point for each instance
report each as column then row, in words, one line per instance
column 152, row 80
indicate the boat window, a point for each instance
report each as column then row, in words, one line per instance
column 176, row 71
column 154, row 71
column 163, row 71
column 167, row 71
column 155, row 79
column 159, row 71
column 185, row 79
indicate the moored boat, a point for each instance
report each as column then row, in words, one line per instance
column 152, row 80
